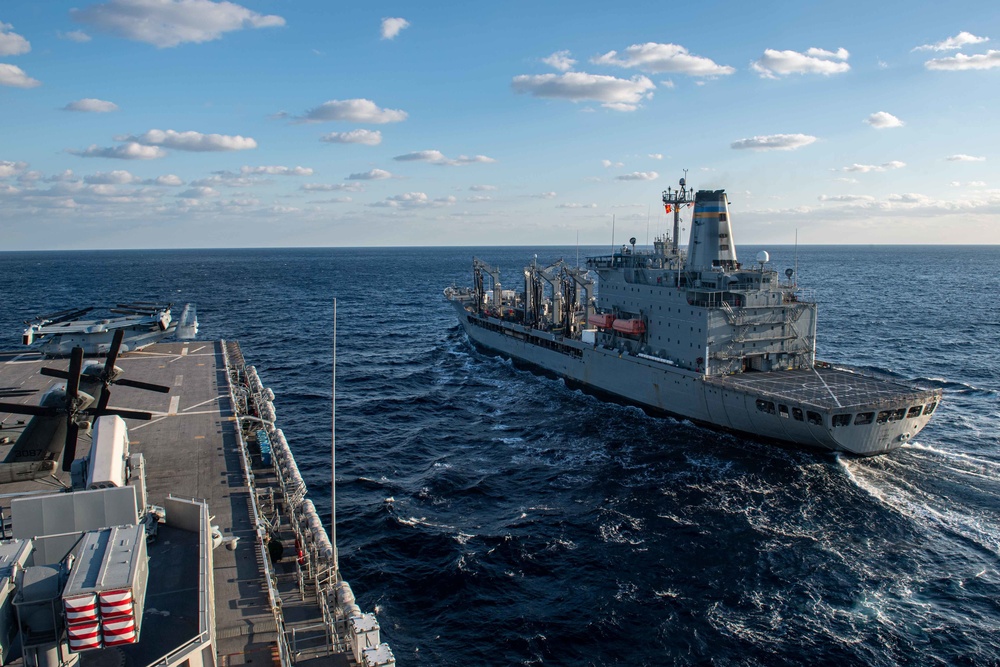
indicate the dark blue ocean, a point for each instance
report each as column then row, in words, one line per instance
column 492, row 516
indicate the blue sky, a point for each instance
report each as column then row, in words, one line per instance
column 193, row 123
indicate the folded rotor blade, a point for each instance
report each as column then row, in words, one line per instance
column 55, row 373
column 102, row 403
column 73, row 382
column 143, row 385
column 116, row 345
column 127, row 414
column 36, row 410
column 69, row 451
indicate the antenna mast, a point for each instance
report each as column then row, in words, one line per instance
column 674, row 199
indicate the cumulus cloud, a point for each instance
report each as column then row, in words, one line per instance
column 866, row 168
column 91, row 105
column 366, row 137
column 191, row 141
column 881, row 120
column 332, row 187
column 354, row 111
column 639, row 176
column 611, row 92
column 960, row 61
column 128, row 151
column 12, row 75
column 482, row 188
column 560, row 60
column 544, row 195
column 200, row 192
column 372, row 175
column 415, row 200
column 814, row 61
column 607, row 164
column 575, row 205
column 78, row 36
column 953, row 43
column 657, row 58
column 774, row 142
column 11, row 43
column 393, row 26
column 656, row 156
column 170, row 180
column 118, row 177
column 167, row 23
column 847, row 198
column 8, row 168
column 961, row 157
column 437, row 157
column 275, row 170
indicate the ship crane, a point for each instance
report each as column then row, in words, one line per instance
column 479, row 267
column 582, row 284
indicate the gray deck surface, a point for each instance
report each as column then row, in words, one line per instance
column 191, row 450
column 827, row 388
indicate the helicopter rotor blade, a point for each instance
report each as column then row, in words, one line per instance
column 124, row 414
column 73, row 382
column 148, row 386
column 116, row 346
column 69, row 451
column 102, row 403
column 24, row 409
column 55, row 373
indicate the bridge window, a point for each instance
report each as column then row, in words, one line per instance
column 915, row 411
column 929, row 408
column 765, row 406
column 841, row 420
column 783, row 411
column 814, row 418
column 797, row 414
column 864, row 418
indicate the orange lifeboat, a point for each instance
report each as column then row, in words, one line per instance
column 601, row 320
column 634, row 327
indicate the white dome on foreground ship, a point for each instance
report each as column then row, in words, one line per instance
column 695, row 335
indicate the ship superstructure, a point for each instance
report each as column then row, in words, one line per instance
column 694, row 334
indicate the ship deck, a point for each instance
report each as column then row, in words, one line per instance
column 826, row 388
column 191, row 449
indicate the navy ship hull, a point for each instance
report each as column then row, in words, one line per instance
column 800, row 407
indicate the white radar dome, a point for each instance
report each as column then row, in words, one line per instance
column 763, row 257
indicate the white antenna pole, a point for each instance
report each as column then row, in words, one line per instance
column 612, row 234
column 796, row 281
column 333, row 449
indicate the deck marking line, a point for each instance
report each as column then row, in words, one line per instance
column 174, row 402
column 835, row 399
column 184, row 351
column 145, row 424
column 198, row 405
column 179, row 380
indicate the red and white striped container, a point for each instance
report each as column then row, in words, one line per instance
column 84, row 636
column 119, row 631
column 80, row 609
column 116, row 603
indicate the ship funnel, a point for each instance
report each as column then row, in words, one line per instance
column 711, row 244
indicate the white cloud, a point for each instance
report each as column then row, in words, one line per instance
column 911, row 198
column 866, row 168
column 129, row 151
column 544, row 195
column 639, row 176
column 78, row 36
column 654, row 57
column 275, row 170
column 575, row 205
column 478, row 199
column 11, row 43
column 332, row 187
column 166, row 23
column 366, row 137
column 882, row 119
column 953, row 43
column 354, row 111
column 200, row 192
column 847, row 198
column 482, row 188
column 960, row 61
column 415, row 200
column 560, row 60
column 965, row 158
column 771, row 142
column 372, row 175
column 814, row 61
column 613, row 93
column 437, row 157
column 607, row 164
column 117, row 177
column 91, row 105
column 171, row 180
column 191, row 141
column 392, row 27
column 12, row 75
column 656, row 156
column 8, row 168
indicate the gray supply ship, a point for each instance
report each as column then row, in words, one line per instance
column 173, row 533
column 696, row 335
